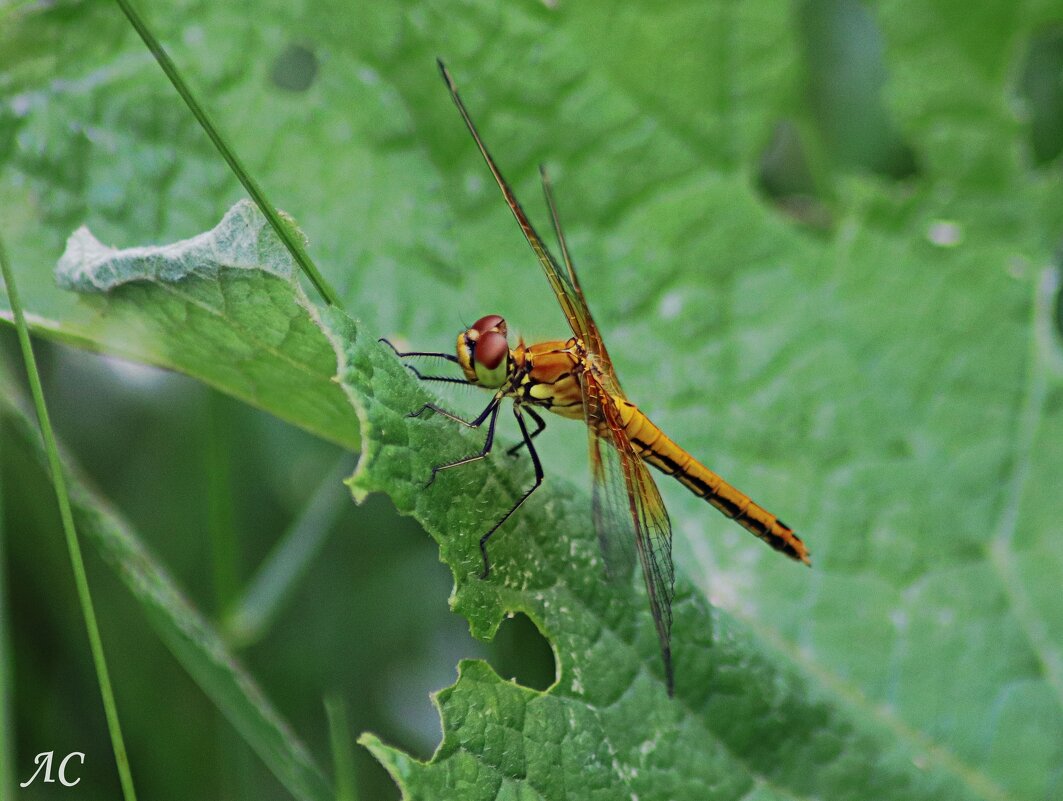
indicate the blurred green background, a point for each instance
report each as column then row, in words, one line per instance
column 211, row 484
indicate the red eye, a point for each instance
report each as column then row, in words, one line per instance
column 485, row 324
column 491, row 349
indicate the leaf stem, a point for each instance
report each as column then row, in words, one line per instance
column 283, row 230
column 65, row 513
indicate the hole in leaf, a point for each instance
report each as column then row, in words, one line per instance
column 784, row 176
column 294, row 69
column 1041, row 87
column 846, row 71
column 519, row 651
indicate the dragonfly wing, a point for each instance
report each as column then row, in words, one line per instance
column 565, row 283
column 571, row 300
column 589, row 333
column 628, row 509
column 613, row 522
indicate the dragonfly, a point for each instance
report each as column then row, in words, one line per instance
column 574, row 378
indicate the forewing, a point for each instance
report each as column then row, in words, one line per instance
column 571, row 300
column 590, row 335
column 628, row 510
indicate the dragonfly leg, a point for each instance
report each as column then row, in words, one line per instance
column 450, row 357
column 540, row 426
column 490, row 412
column 443, row 378
column 476, row 423
column 446, row 379
column 538, row 480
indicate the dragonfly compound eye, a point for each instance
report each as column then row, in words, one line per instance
column 489, row 359
column 491, row 322
column 491, row 349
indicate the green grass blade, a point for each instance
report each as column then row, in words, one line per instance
column 7, row 674
column 188, row 635
column 340, row 740
column 287, row 236
column 289, row 559
column 223, row 545
column 76, row 562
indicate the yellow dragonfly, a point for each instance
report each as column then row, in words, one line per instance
column 574, row 378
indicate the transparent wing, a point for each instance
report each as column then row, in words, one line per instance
column 571, row 300
column 612, row 516
column 566, row 284
column 629, row 511
column 592, row 337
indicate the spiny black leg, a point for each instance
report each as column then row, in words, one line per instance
column 431, row 407
column 540, row 426
column 442, row 378
column 538, row 480
column 450, row 357
column 492, row 411
column 446, row 379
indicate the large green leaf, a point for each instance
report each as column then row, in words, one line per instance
column 247, row 337
column 742, row 717
column 890, row 386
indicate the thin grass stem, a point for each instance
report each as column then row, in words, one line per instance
column 7, row 673
column 340, row 740
column 284, row 231
column 67, row 517
column 280, row 572
column 221, row 530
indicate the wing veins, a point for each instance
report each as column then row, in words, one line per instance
column 629, row 508
column 571, row 303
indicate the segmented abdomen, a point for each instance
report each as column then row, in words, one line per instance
column 660, row 451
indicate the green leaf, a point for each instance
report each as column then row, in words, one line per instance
column 742, row 718
column 241, row 330
column 890, row 386
column 191, row 639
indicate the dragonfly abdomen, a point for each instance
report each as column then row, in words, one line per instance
column 663, row 453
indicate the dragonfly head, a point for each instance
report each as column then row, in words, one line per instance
column 483, row 352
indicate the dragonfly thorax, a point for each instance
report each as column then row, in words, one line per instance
column 483, row 352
